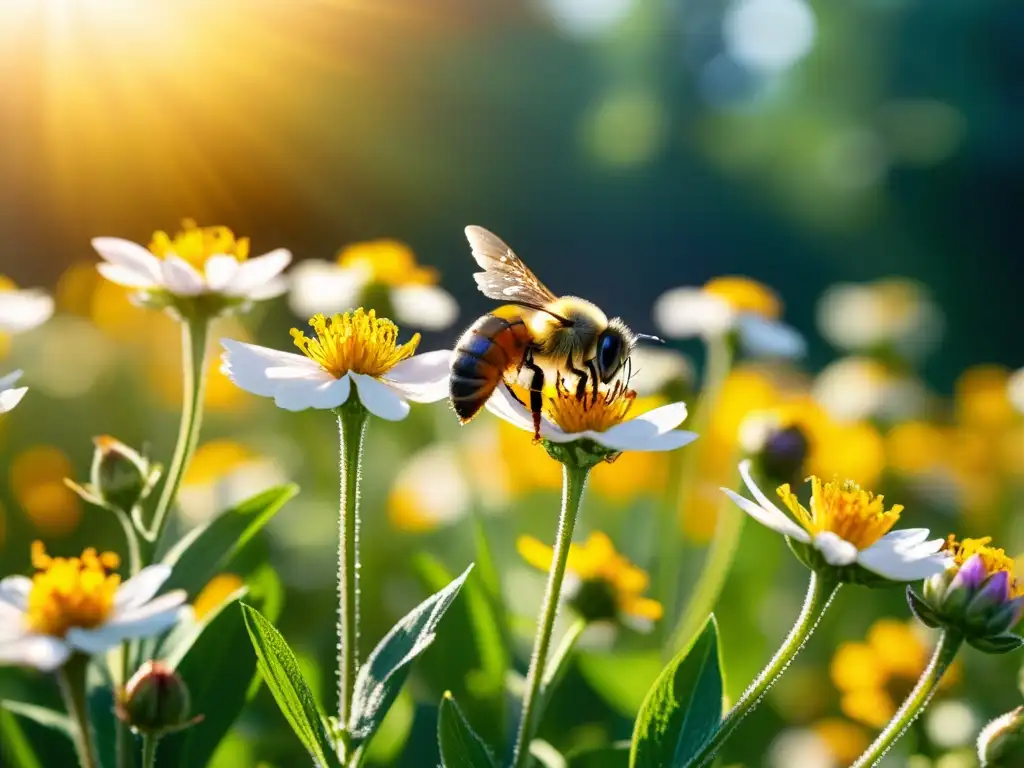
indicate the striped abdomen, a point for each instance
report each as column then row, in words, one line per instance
column 492, row 346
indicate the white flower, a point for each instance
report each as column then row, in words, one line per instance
column 1016, row 387
column 197, row 261
column 76, row 605
column 729, row 305
column 568, row 419
column 867, row 541
column 22, row 309
column 855, row 388
column 356, row 349
column 10, row 395
column 319, row 286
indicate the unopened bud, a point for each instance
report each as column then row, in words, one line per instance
column 1001, row 742
column 120, row 474
column 156, row 700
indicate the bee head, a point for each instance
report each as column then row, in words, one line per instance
column 614, row 345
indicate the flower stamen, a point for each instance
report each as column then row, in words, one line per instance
column 845, row 509
column 358, row 341
column 196, row 245
column 71, row 592
column 994, row 559
column 599, row 409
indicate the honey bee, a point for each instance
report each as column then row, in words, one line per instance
column 536, row 329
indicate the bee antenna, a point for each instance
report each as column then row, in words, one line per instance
column 649, row 337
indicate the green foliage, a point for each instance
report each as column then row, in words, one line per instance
column 611, row 756
column 207, row 549
column 622, row 679
column 459, row 744
column 382, row 675
column 281, row 672
column 44, row 716
column 684, row 707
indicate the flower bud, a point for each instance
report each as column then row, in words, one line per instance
column 1001, row 742
column 779, row 450
column 156, row 700
column 595, row 600
column 120, row 475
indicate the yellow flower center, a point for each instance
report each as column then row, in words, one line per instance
column 387, row 262
column 356, row 341
column 993, row 558
column 197, row 244
column 596, row 411
column 745, row 295
column 71, row 592
column 845, row 509
column 6, row 284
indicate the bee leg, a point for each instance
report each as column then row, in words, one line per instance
column 513, row 393
column 581, row 378
column 536, row 394
column 592, row 367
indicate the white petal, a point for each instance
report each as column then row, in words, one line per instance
column 1016, row 390
column 759, row 495
column 422, row 378
column 380, row 399
column 129, row 255
column 255, row 273
column 180, row 277
column 271, row 289
column 10, row 398
column 908, row 536
column 888, row 558
column 761, row 337
column 8, row 381
column 424, row 306
column 685, row 312
column 13, row 623
column 322, row 392
column 504, row 406
column 141, row 587
column 640, row 435
column 14, row 591
column 770, row 517
column 835, row 550
column 43, row 652
column 152, row 618
column 322, row 286
column 246, row 365
column 24, row 310
column 220, row 271
column 129, row 278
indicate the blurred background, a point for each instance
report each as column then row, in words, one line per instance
column 622, row 147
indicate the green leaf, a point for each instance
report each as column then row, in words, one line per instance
column 609, row 756
column 217, row 663
column 281, row 672
column 15, row 749
column 459, row 744
column 381, row 677
column 99, row 695
column 390, row 739
column 620, row 678
column 684, row 707
column 206, row 550
column 470, row 658
column 46, row 717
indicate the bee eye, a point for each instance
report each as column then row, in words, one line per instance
column 608, row 355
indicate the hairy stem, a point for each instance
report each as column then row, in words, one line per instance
column 149, row 745
column 574, row 480
column 71, row 678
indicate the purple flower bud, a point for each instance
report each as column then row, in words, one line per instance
column 970, row 576
column 995, row 590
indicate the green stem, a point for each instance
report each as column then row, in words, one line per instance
column 352, row 419
column 820, row 592
column 915, row 703
column 717, row 564
column 124, row 743
column 194, row 332
column 680, row 488
column 71, row 678
column 574, row 480
column 149, row 745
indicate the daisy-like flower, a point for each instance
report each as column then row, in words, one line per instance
column 196, row 262
column 978, row 596
column 601, row 584
column 76, row 605
column 847, row 531
column 730, row 305
column 22, row 309
column 383, row 274
column 355, row 350
column 10, row 395
column 597, row 421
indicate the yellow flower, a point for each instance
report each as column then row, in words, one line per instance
column 916, row 448
column 195, row 245
column 358, row 342
column 846, row 741
column 993, row 559
column 71, row 592
column 607, row 586
column 387, row 262
column 845, row 509
column 215, row 592
column 983, row 397
column 874, row 676
column 214, row 460
column 746, row 295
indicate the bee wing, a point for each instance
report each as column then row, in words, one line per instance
column 505, row 276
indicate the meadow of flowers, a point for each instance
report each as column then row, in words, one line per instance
column 233, row 538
